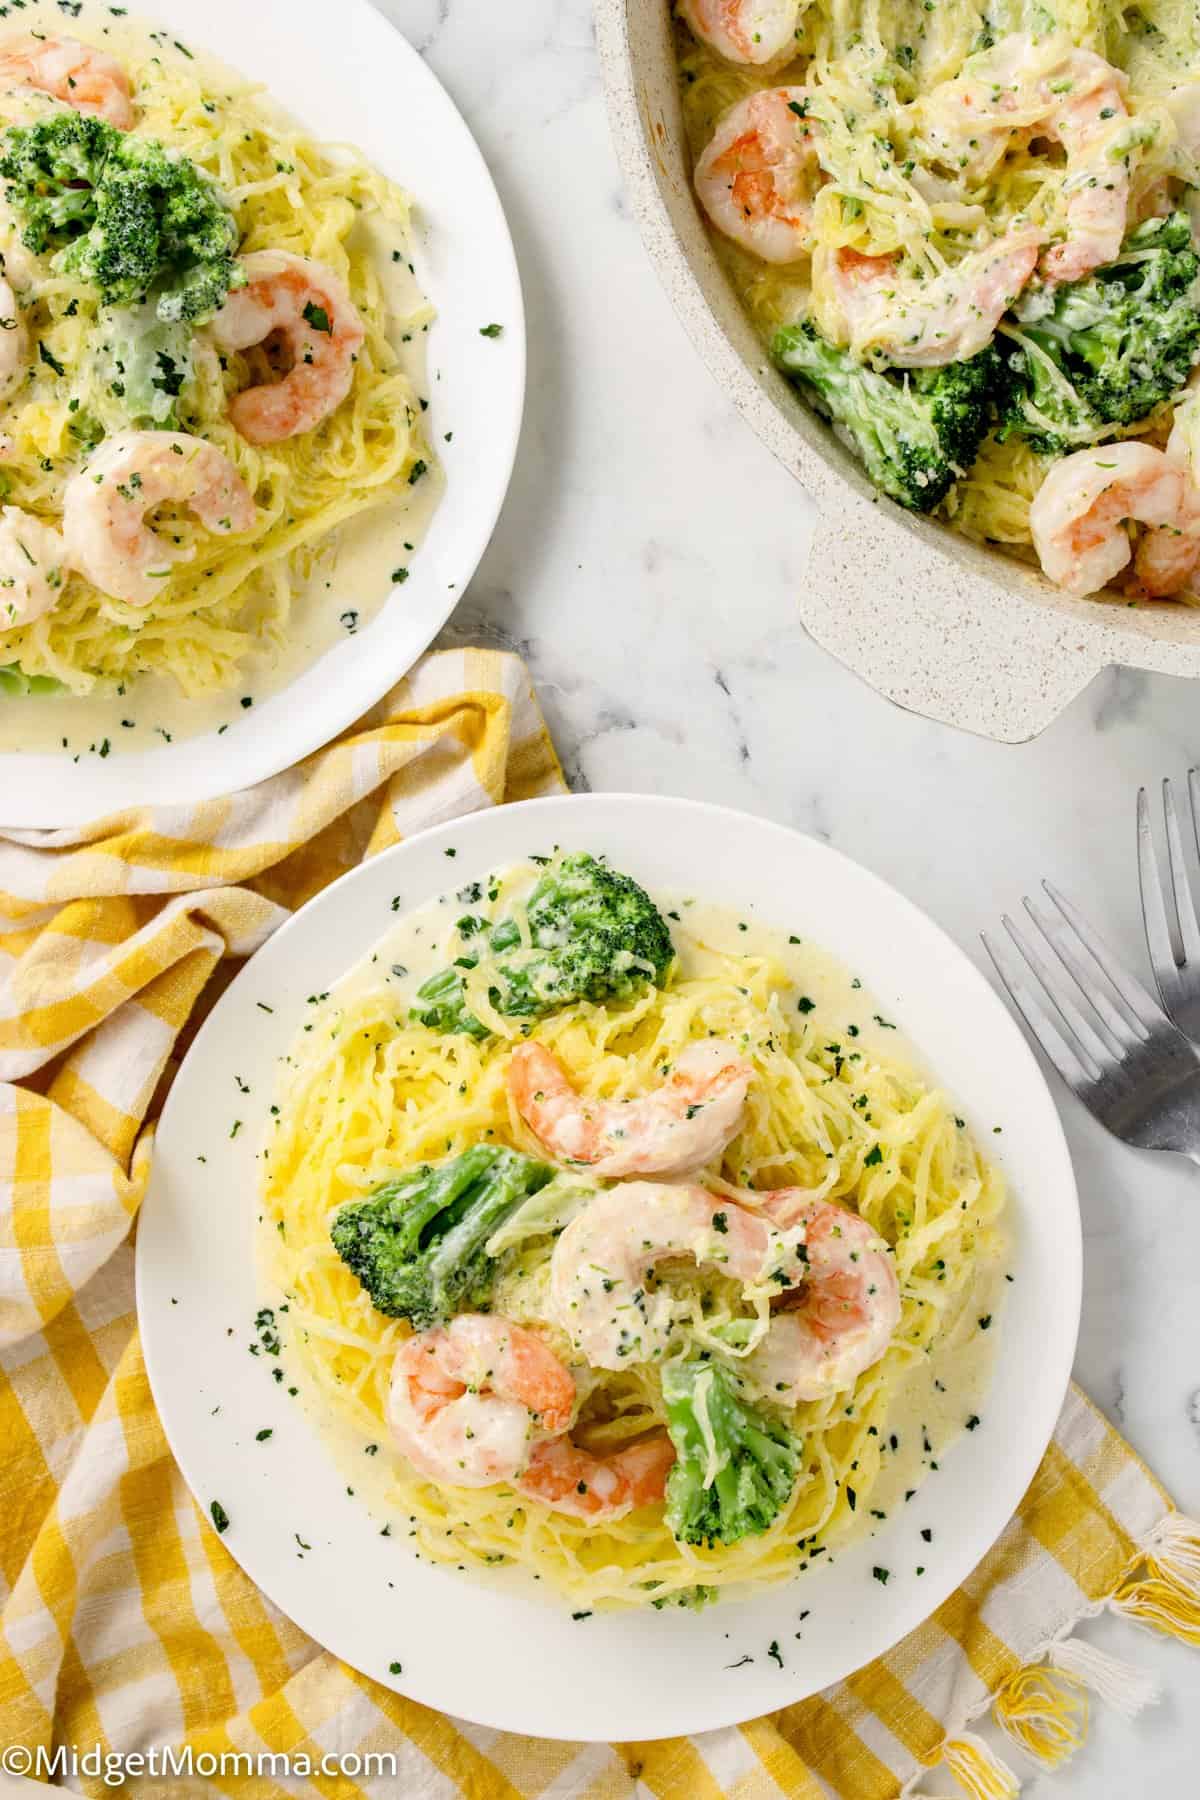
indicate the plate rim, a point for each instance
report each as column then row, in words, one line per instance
column 1052, row 1395
column 57, row 790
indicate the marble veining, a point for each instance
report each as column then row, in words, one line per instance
column 647, row 566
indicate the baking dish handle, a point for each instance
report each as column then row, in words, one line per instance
column 930, row 628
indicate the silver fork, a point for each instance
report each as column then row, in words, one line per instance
column 1109, row 1040
column 1172, row 934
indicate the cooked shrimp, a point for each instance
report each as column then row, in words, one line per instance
column 1078, row 515
column 598, row 1488
column 106, row 505
column 1097, row 185
column 1022, row 91
column 467, row 1399
column 679, row 1127
column 32, row 556
column 758, row 174
column 600, row 1265
column 862, row 303
column 14, row 340
column 297, row 307
column 78, row 74
column 842, row 1316
column 745, row 31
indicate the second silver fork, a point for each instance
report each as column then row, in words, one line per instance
column 1172, row 927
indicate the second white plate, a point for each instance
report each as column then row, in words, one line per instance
column 349, row 77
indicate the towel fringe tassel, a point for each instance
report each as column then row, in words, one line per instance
column 1162, row 1591
column 1045, row 1710
column 978, row 1770
column 1120, row 1684
column 1045, row 1706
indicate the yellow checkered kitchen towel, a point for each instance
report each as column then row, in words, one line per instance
column 124, row 1622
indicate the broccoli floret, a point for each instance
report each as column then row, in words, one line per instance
column 123, row 212
column 144, row 363
column 735, row 1468
column 52, row 170
column 14, row 680
column 1106, row 350
column 1042, row 404
column 914, row 432
column 692, row 1599
column 417, row 1244
column 595, row 935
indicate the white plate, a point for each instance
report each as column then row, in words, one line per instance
column 348, row 76
column 483, row 1651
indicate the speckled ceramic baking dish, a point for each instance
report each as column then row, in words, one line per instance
column 956, row 632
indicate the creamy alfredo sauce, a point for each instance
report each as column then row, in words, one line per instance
column 356, row 571
column 943, row 1393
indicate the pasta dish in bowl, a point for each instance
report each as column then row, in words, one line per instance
column 937, row 597
column 621, row 1246
column 969, row 240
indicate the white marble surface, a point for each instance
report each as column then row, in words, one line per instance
column 647, row 565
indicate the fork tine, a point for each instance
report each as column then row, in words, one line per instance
column 1092, row 1031
column 1145, row 1009
column 1194, row 801
column 1154, row 909
column 1064, row 1057
column 1118, row 1032
column 1181, row 887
